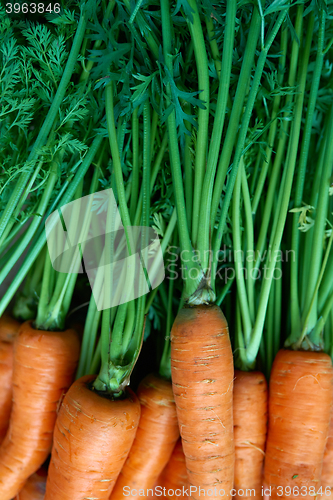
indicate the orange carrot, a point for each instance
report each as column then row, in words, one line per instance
column 327, row 472
column 250, row 428
column 8, row 331
column 155, row 439
column 92, row 438
column 202, row 377
column 174, row 475
column 34, row 488
column 300, row 400
column 44, row 366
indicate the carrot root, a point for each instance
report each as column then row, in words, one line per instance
column 155, row 439
column 250, row 428
column 92, row 438
column 174, row 475
column 202, row 377
column 8, row 331
column 44, row 366
column 300, row 400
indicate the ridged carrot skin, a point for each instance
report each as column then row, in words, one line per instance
column 44, row 366
column 202, row 376
column 35, row 486
column 300, row 400
column 8, row 331
column 92, row 438
column 250, row 429
column 327, row 472
column 174, row 475
column 155, row 439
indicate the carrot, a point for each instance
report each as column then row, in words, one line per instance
column 300, row 399
column 250, row 427
column 92, row 438
column 202, row 377
column 44, row 365
column 155, row 439
column 8, row 331
column 34, row 488
column 327, row 472
column 174, row 475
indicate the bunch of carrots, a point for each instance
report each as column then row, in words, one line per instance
column 166, row 262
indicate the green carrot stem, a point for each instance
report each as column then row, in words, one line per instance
column 109, row 108
column 43, row 204
column 273, row 128
column 326, row 285
column 188, row 172
column 319, row 229
column 203, row 236
column 277, row 309
column 203, row 115
column 88, row 333
column 238, row 258
column 281, row 215
column 238, row 103
column 295, row 239
column 241, row 139
column 316, row 339
column 307, row 247
column 40, row 242
column 191, row 282
column 213, row 45
column 249, row 256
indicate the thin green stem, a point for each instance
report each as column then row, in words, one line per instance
column 284, row 196
column 241, row 139
column 238, row 258
column 40, row 242
column 214, row 146
column 295, row 238
column 203, row 115
column 191, row 284
column 238, row 103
